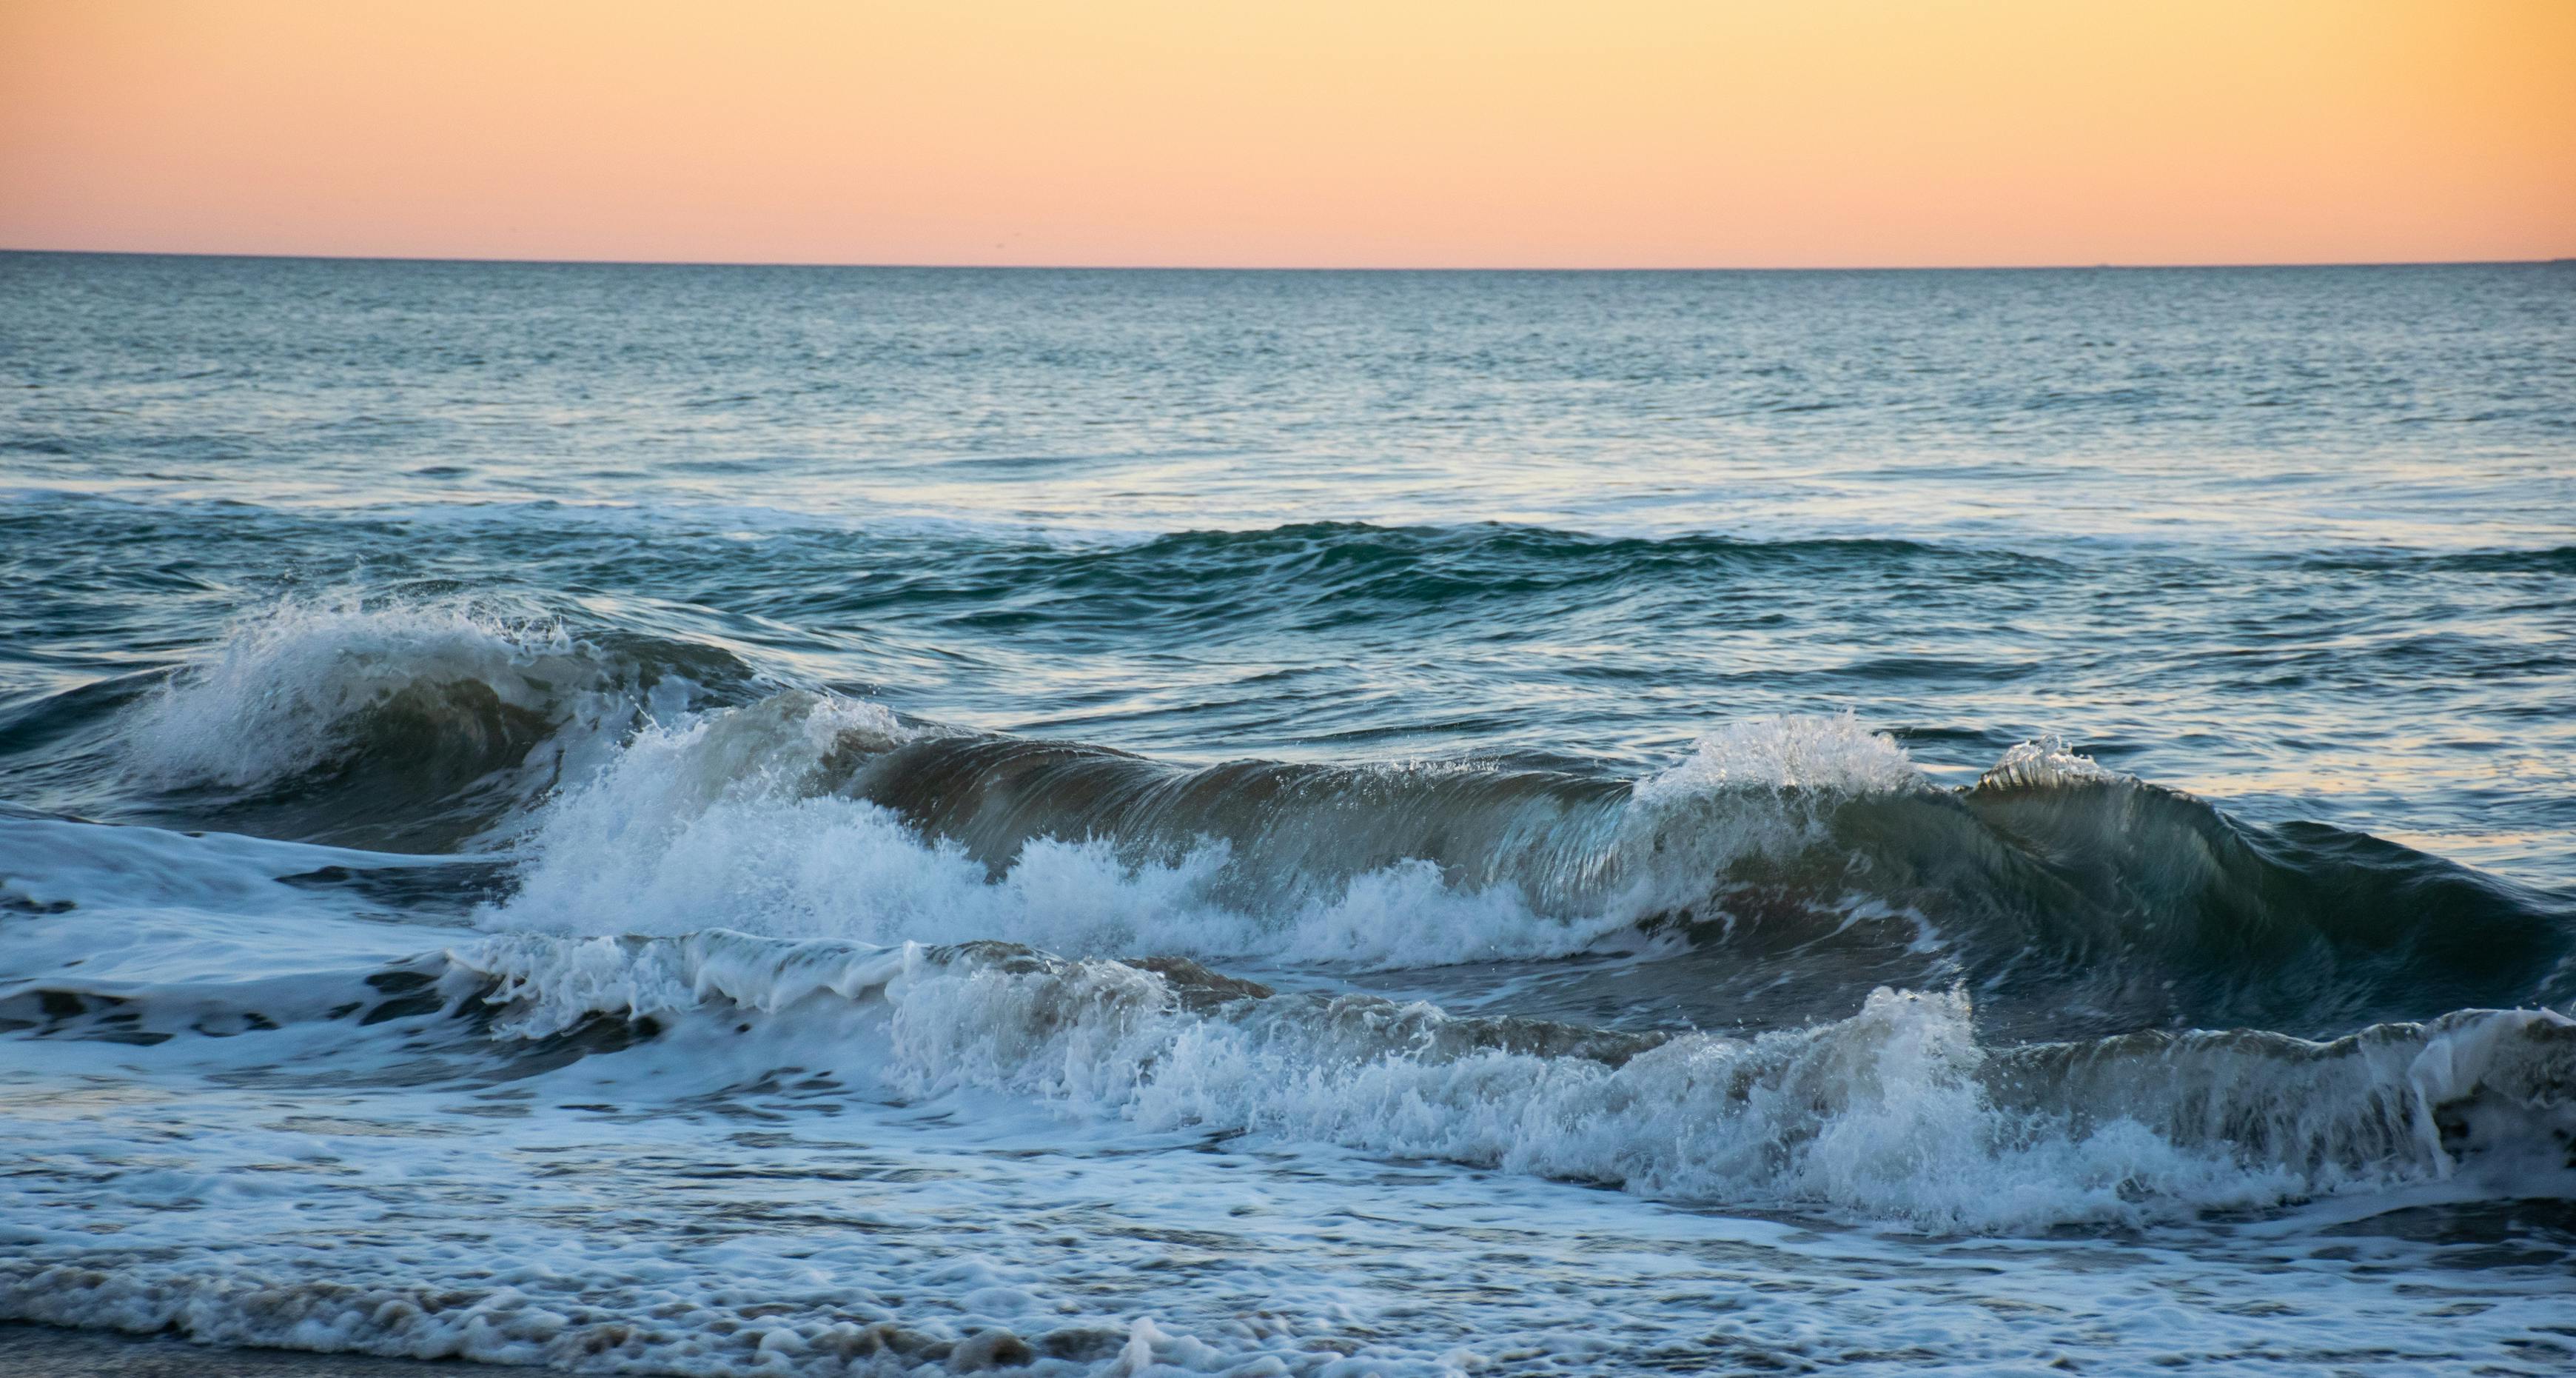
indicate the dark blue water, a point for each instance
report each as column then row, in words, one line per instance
column 2044, row 761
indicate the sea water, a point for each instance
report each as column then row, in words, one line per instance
column 779, row 820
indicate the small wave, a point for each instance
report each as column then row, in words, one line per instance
column 1899, row 1112
column 415, row 715
column 2545, row 560
column 293, row 682
column 1896, row 1113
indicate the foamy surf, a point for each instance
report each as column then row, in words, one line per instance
column 808, row 1130
column 1896, row 1114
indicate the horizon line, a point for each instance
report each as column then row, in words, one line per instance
column 502, row 261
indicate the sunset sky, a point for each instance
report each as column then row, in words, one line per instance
column 1316, row 133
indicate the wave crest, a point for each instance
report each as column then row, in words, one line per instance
column 293, row 682
column 2046, row 763
column 411, row 718
column 1833, row 754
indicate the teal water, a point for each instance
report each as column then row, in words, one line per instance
column 1911, row 776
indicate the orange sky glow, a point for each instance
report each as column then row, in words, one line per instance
column 1616, row 133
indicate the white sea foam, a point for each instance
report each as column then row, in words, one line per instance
column 292, row 680
column 724, row 819
column 2045, row 762
column 1888, row 1115
column 1833, row 754
column 1880, row 1115
column 718, row 822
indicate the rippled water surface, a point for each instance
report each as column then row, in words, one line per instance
column 711, row 820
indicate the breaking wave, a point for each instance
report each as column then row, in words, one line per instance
column 411, row 720
column 2052, row 886
column 652, row 787
column 1897, row 1113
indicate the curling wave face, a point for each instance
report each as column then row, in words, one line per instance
column 411, row 719
column 1805, row 852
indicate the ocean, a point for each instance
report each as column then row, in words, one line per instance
column 729, row 820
